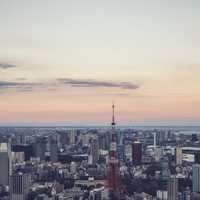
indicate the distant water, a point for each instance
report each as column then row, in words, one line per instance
column 178, row 129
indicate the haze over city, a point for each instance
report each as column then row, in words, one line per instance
column 64, row 62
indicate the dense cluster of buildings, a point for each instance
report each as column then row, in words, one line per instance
column 76, row 163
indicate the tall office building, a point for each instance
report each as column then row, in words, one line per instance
column 40, row 147
column 158, row 153
column 103, row 139
column 94, row 150
column 197, row 157
column 196, row 177
column 154, row 140
column 128, row 153
column 19, row 186
column 179, row 155
column 136, row 152
column 5, row 163
column 54, row 151
column 19, row 139
column 64, row 138
column 85, row 139
column 72, row 136
column 173, row 188
column 165, row 172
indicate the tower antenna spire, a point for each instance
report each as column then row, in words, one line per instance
column 113, row 116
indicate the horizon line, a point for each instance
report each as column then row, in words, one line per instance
column 37, row 125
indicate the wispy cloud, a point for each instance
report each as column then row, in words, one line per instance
column 23, row 85
column 19, row 85
column 97, row 83
column 4, row 65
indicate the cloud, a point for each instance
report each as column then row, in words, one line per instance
column 19, row 85
column 23, row 85
column 6, row 65
column 96, row 83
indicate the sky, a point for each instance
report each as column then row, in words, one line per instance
column 64, row 62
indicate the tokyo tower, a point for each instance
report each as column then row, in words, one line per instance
column 113, row 163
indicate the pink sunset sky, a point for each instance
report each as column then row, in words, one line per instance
column 64, row 62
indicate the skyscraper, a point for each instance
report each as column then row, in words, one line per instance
column 196, row 177
column 19, row 186
column 179, row 156
column 197, row 157
column 173, row 188
column 5, row 163
column 136, row 152
column 103, row 139
column 158, row 152
column 53, row 150
column 154, row 139
column 72, row 136
column 165, row 172
column 128, row 152
column 40, row 147
column 94, row 150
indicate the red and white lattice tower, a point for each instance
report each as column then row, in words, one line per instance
column 113, row 163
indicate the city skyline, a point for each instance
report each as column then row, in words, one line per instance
column 64, row 63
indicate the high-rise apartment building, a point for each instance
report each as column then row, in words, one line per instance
column 158, row 152
column 94, row 150
column 179, row 155
column 19, row 186
column 54, row 151
column 128, row 152
column 172, row 188
column 72, row 136
column 136, row 152
column 104, row 139
column 5, row 163
column 196, row 177
column 165, row 172
column 40, row 147
column 197, row 157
